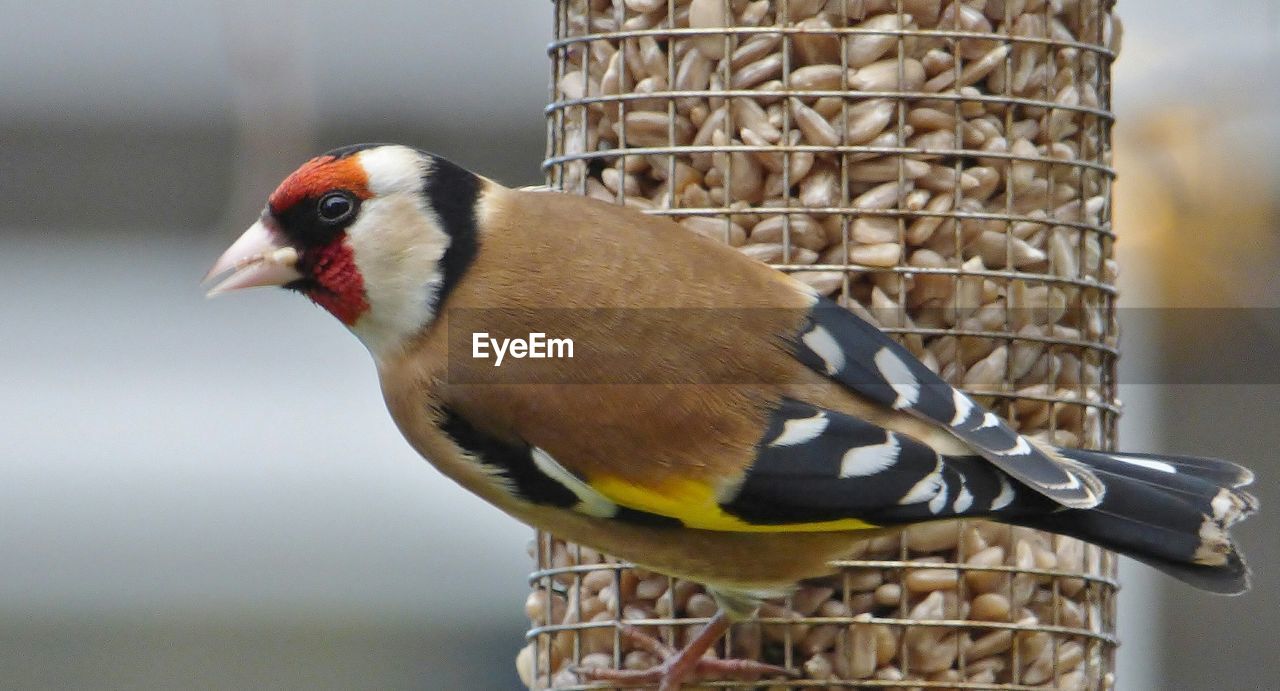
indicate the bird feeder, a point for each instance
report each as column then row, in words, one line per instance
column 940, row 168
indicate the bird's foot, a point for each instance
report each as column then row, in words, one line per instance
column 680, row 666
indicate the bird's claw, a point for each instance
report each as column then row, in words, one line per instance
column 675, row 669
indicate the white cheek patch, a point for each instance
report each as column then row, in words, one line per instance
column 397, row 249
column 392, row 169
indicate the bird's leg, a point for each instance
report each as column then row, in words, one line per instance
column 680, row 666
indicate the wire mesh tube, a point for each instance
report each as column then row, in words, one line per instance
column 944, row 170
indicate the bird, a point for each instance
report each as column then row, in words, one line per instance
column 714, row 419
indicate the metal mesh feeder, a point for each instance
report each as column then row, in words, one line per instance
column 944, row 170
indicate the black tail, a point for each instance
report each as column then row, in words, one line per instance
column 1172, row 512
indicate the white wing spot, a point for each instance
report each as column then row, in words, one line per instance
column 590, row 501
column 939, row 501
column 1222, row 506
column 824, row 345
column 927, row 489
column 899, row 376
column 964, row 406
column 1073, row 481
column 801, row 431
column 1005, row 497
column 963, row 500
column 1215, row 543
column 862, row 461
column 1147, row 463
column 1020, row 448
column 989, row 420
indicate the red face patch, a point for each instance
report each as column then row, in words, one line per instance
column 317, row 176
column 341, row 287
column 335, row 283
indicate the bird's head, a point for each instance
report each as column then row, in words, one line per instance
column 377, row 234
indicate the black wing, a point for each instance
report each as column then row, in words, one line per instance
column 846, row 348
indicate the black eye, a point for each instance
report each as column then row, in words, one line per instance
column 335, row 207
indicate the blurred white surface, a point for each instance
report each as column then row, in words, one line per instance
column 163, row 451
column 166, row 61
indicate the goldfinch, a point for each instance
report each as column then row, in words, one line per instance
column 711, row 418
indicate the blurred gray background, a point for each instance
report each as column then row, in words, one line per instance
column 210, row 494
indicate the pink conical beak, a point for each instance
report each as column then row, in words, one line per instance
column 257, row 260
